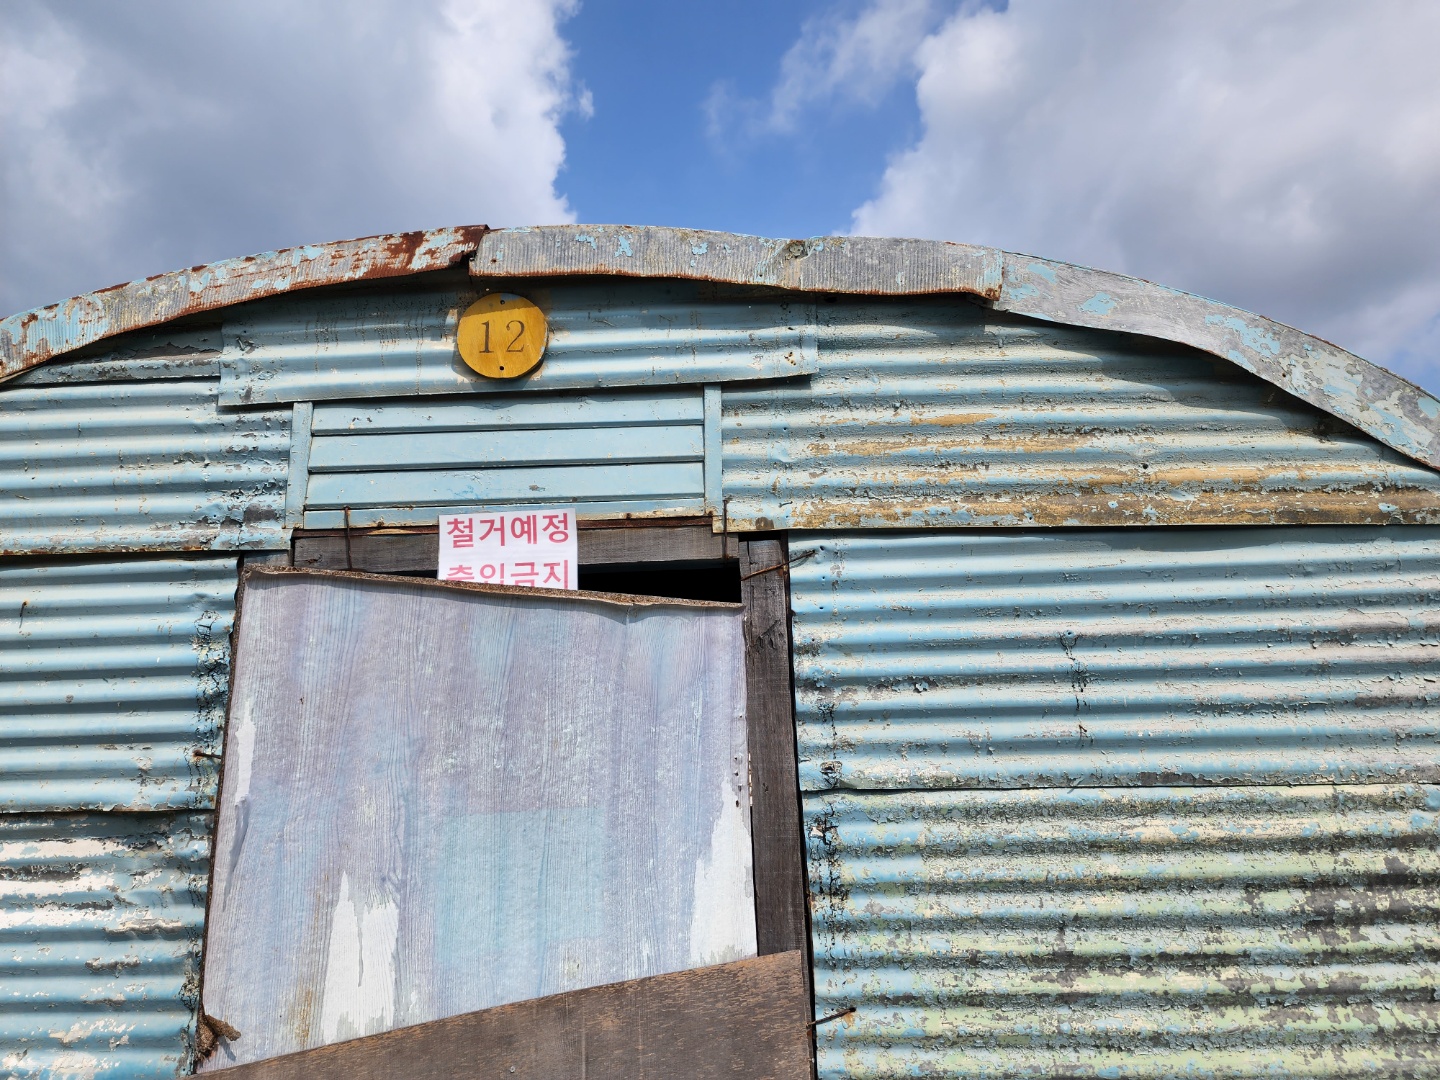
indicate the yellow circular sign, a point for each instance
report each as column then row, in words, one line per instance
column 502, row 336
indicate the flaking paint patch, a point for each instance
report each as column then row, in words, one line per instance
column 360, row 968
column 67, row 1065
column 244, row 755
column 722, row 926
column 1099, row 304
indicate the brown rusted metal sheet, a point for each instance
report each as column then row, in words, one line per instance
column 32, row 337
column 837, row 264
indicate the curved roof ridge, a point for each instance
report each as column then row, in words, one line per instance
column 32, row 337
column 1378, row 402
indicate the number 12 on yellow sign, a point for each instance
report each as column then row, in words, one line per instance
column 502, row 336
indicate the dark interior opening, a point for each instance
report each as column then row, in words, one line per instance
column 711, row 581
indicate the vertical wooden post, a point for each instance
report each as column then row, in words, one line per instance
column 781, row 922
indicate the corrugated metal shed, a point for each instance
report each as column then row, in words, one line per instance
column 1376, row 401
column 932, row 413
column 1118, row 657
column 1010, row 878
column 1161, row 932
column 403, row 343
column 113, row 682
column 403, row 462
column 101, row 917
column 133, row 453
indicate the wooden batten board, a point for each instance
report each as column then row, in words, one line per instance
column 418, row 552
column 780, row 900
column 738, row 1021
column 439, row 798
column 301, row 418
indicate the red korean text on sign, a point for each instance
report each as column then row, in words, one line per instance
column 525, row 548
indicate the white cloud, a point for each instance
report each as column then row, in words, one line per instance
column 139, row 140
column 1280, row 155
column 856, row 59
column 835, row 60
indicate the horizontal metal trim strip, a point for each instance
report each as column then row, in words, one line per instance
column 504, row 449
column 607, row 507
column 533, row 412
column 555, row 484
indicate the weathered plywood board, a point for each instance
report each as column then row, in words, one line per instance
column 440, row 799
column 740, row 1020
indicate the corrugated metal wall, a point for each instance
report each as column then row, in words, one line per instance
column 113, row 678
column 940, row 412
column 1001, row 659
column 402, row 342
column 133, row 453
column 1140, row 932
column 1009, row 877
column 403, row 463
column 101, row 918
column 113, row 682
column 1130, row 665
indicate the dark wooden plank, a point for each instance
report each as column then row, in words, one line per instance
column 775, row 820
column 685, row 543
column 741, row 1020
column 373, row 552
column 418, row 552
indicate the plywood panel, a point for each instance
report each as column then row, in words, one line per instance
column 740, row 1020
column 440, row 799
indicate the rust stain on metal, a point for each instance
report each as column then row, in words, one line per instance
column 1084, row 508
column 33, row 337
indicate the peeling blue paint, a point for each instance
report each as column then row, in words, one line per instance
column 1099, row 304
column 1253, row 337
column 622, row 247
column 1039, row 269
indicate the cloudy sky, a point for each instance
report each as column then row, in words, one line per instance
column 1282, row 155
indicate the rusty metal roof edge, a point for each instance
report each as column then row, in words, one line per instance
column 32, row 337
column 1378, row 402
